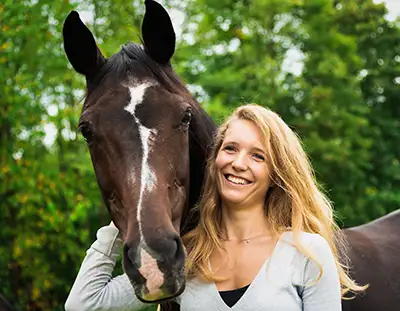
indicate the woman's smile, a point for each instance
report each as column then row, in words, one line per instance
column 236, row 180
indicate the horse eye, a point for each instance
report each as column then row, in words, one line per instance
column 112, row 197
column 86, row 132
column 187, row 117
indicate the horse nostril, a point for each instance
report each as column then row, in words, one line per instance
column 129, row 254
column 177, row 250
column 174, row 248
column 171, row 248
column 167, row 252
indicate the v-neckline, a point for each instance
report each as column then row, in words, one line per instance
column 238, row 304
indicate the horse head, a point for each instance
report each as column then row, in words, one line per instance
column 148, row 140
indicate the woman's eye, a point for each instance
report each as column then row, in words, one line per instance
column 229, row 148
column 259, row 157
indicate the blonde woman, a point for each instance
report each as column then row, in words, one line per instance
column 266, row 236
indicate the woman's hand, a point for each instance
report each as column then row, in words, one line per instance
column 114, row 226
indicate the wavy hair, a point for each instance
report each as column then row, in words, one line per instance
column 295, row 201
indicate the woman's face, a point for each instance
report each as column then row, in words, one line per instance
column 243, row 173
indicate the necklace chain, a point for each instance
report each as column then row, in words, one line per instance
column 247, row 240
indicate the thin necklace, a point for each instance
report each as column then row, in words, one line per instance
column 247, row 240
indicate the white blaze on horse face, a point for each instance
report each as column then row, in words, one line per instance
column 147, row 176
column 154, row 277
column 137, row 95
column 149, row 267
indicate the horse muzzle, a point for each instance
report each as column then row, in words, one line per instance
column 157, row 273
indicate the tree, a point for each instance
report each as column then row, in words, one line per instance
column 49, row 219
column 238, row 52
column 379, row 48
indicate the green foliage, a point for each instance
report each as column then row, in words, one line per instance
column 379, row 47
column 349, row 56
column 48, row 218
column 340, row 97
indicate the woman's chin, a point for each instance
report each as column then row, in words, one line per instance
column 233, row 199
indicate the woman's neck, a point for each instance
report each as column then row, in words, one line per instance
column 244, row 223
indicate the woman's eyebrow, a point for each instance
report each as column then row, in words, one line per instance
column 231, row 142
column 259, row 150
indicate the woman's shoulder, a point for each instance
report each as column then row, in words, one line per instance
column 304, row 261
column 314, row 243
column 307, row 239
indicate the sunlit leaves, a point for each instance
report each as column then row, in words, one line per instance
column 50, row 201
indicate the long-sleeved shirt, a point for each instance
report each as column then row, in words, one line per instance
column 285, row 282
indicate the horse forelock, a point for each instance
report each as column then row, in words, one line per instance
column 133, row 63
column 131, row 66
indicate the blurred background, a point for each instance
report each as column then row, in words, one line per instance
column 330, row 68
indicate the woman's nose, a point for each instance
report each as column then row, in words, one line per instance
column 239, row 162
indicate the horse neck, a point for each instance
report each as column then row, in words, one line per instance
column 200, row 144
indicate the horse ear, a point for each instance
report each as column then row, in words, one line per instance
column 80, row 46
column 158, row 33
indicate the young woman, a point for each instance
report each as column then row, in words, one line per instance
column 266, row 239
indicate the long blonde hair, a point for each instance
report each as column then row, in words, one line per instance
column 295, row 200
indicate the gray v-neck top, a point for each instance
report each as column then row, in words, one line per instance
column 284, row 282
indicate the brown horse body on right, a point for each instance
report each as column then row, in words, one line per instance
column 374, row 253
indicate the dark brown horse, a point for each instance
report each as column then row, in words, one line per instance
column 148, row 140
column 374, row 252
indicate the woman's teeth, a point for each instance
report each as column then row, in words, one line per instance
column 237, row 180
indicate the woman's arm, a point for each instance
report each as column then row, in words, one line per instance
column 94, row 288
column 326, row 293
